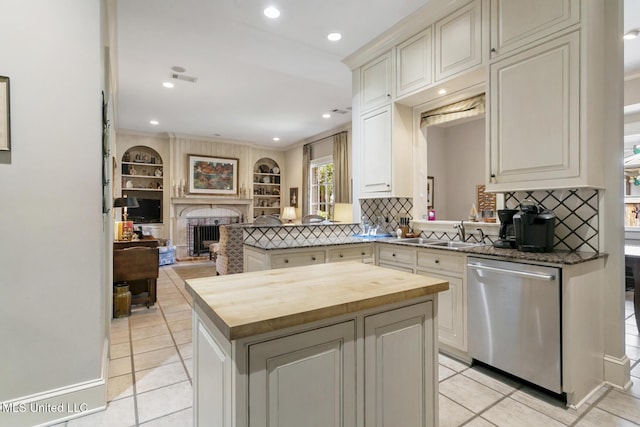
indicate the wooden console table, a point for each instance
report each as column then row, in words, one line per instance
column 138, row 266
column 122, row 244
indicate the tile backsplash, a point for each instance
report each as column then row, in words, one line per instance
column 576, row 215
column 392, row 209
column 576, row 210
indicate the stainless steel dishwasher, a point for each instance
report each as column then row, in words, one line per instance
column 514, row 317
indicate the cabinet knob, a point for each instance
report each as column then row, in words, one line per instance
column 362, row 254
column 393, row 254
column 313, row 258
column 341, row 256
column 437, row 261
column 493, row 50
column 286, row 261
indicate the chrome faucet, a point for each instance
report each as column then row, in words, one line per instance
column 461, row 232
column 482, row 236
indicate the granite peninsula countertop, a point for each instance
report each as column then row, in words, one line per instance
column 555, row 257
column 248, row 304
column 310, row 242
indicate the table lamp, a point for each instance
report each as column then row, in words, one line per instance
column 124, row 203
column 289, row 213
column 343, row 212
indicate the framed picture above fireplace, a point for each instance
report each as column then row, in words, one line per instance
column 213, row 175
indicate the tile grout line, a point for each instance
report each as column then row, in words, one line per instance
column 184, row 365
column 133, row 376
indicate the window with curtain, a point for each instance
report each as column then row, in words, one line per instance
column 321, row 196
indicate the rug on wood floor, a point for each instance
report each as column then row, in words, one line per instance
column 196, row 270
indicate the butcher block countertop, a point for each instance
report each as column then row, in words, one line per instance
column 248, row 304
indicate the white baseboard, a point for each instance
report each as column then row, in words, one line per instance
column 617, row 371
column 58, row 405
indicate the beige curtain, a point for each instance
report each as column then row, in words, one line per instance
column 303, row 197
column 458, row 110
column 341, row 173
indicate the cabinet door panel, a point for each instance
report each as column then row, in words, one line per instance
column 459, row 41
column 306, row 379
column 376, row 83
column 376, row 151
column 212, row 386
column 534, row 113
column 451, row 312
column 398, row 369
column 415, row 63
column 517, row 22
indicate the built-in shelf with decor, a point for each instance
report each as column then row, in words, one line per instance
column 143, row 178
column 266, row 188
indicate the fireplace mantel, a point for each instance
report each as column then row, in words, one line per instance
column 209, row 200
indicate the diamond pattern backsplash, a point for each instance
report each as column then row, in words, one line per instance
column 576, row 215
column 256, row 234
column 391, row 209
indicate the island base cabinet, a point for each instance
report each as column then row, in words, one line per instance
column 304, row 379
column 377, row 366
column 400, row 367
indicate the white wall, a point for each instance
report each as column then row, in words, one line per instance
column 455, row 158
column 52, row 313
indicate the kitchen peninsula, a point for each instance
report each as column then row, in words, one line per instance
column 329, row 342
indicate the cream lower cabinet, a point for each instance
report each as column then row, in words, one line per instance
column 262, row 259
column 397, row 257
column 452, row 304
column 304, row 379
column 312, row 375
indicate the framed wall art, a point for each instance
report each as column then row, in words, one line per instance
column 213, row 175
column 430, row 188
column 293, row 197
column 5, row 123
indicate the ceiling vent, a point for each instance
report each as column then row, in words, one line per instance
column 183, row 77
column 339, row 111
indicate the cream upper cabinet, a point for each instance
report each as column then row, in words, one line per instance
column 386, row 152
column 515, row 23
column 534, row 117
column 414, row 63
column 545, row 91
column 375, row 83
column 458, row 41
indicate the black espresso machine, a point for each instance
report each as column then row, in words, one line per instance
column 534, row 227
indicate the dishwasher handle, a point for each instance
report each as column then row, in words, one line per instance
column 549, row 277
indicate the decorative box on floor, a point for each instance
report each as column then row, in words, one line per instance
column 167, row 254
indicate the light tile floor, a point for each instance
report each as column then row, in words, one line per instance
column 150, row 378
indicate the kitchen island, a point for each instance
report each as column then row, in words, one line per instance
column 329, row 344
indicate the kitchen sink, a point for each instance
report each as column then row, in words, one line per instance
column 434, row 243
column 453, row 244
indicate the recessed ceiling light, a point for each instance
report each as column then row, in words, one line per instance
column 326, row 115
column 334, row 37
column 154, row 122
column 442, row 91
column 275, row 138
column 168, row 85
column 630, row 35
column 271, row 12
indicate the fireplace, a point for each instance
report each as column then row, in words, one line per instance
column 196, row 221
column 202, row 232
